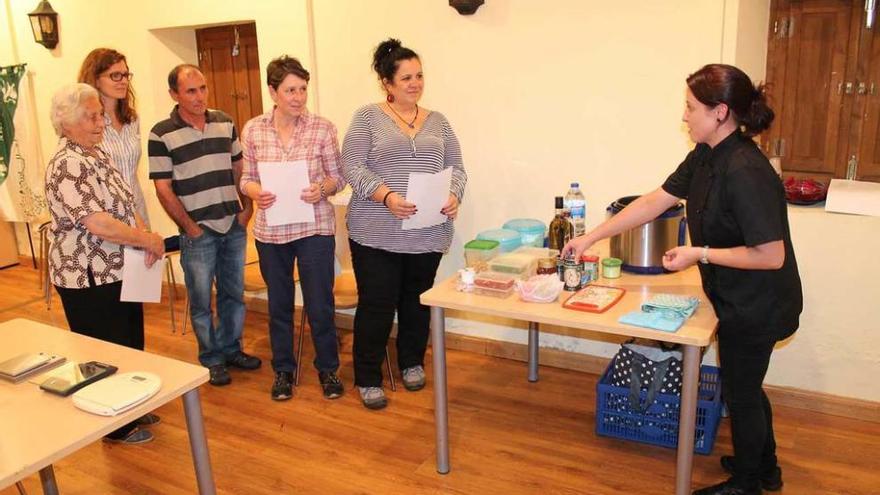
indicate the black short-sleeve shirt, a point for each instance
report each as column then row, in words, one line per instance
column 734, row 198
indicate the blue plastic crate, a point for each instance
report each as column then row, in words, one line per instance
column 659, row 424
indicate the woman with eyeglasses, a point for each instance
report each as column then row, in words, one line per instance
column 106, row 70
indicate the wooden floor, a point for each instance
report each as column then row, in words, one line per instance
column 508, row 436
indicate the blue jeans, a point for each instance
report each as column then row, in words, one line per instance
column 207, row 259
column 314, row 259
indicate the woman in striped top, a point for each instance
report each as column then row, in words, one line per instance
column 385, row 143
column 107, row 71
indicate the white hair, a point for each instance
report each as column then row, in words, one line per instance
column 67, row 104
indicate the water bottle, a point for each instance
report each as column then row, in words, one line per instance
column 577, row 205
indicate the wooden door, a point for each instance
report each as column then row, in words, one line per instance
column 229, row 59
column 868, row 105
column 812, row 41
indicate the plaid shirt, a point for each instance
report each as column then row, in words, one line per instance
column 313, row 140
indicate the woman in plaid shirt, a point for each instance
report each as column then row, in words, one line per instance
column 286, row 134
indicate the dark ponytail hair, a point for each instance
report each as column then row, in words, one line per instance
column 387, row 57
column 720, row 83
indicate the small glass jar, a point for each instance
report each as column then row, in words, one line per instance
column 611, row 267
column 547, row 266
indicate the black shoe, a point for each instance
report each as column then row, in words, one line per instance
column 219, row 375
column 728, row 487
column 282, row 388
column 243, row 361
column 148, row 419
column 770, row 480
column 331, row 385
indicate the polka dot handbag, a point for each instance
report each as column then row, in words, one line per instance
column 639, row 367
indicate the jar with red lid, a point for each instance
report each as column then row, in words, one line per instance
column 590, row 270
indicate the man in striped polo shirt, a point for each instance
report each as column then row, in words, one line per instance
column 195, row 164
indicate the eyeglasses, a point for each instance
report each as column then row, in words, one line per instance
column 118, row 76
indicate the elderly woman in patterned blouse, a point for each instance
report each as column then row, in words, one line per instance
column 93, row 221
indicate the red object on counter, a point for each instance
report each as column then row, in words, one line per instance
column 804, row 191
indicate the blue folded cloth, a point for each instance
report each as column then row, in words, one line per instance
column 674, row 304
column 665, row 312
column 667, row 322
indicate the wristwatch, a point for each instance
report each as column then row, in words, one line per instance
column 704, row 259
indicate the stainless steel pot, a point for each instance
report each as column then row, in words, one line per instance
column 641, row 249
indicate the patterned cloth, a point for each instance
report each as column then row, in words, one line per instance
column 314, row 140
column 124, row 148
column 80, row 183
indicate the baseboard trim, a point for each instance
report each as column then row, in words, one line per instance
column 782, row 396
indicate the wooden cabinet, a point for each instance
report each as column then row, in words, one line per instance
column 229, row 59
column 823, row 73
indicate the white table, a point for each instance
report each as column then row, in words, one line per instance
column 37, row 428
column 696, row 333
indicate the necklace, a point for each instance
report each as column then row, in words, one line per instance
column 412, row 123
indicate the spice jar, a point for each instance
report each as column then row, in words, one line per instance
column 611, row 267
column 547, row 266
column 591, row 269
column 572, row 271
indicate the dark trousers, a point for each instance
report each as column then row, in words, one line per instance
column 314, row 257
column 389, row 282
column 97, row 312
column 743, row 367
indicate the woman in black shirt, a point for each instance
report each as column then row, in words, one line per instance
column 740, row 237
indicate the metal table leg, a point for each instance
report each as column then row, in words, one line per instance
column 687, row 420
column 441, row 418
column 192, row 408
column 533, row 351
column 47, row 478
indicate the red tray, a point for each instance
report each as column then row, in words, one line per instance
column 594, row 298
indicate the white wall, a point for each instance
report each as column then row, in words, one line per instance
column 540, row 94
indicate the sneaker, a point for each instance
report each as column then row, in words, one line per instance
column 243, row 361
column 148, row 419
column 414, row 378
column 331, row 385
column 134, row 437
column 770, row 480
column 282, row 388
column 219, row 375
column 729, row 487
column 373, row 397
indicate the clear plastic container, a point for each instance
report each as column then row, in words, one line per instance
column 500, row 293
column 519, row 265
column 494, row 281
column 508, row 240
column 478, row 252
column 537, row 252
column 531, row 231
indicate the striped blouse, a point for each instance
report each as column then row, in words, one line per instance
column 124, row 148
column 375, row 152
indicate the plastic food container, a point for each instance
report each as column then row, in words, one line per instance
column 494, row 281
column 611, row 267
column 519, row 265
column 478, row 252
column 537, row 252
column 531, row 230
column 485, row 291
column 508, row 240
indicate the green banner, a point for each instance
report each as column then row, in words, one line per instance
column 9, row 79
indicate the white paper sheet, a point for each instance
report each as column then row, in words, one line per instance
column 429, row 192
column 139, row 283
column 286, row 180
column 853, row 196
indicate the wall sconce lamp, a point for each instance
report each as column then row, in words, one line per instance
column 44, row 23
column 465, row 7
